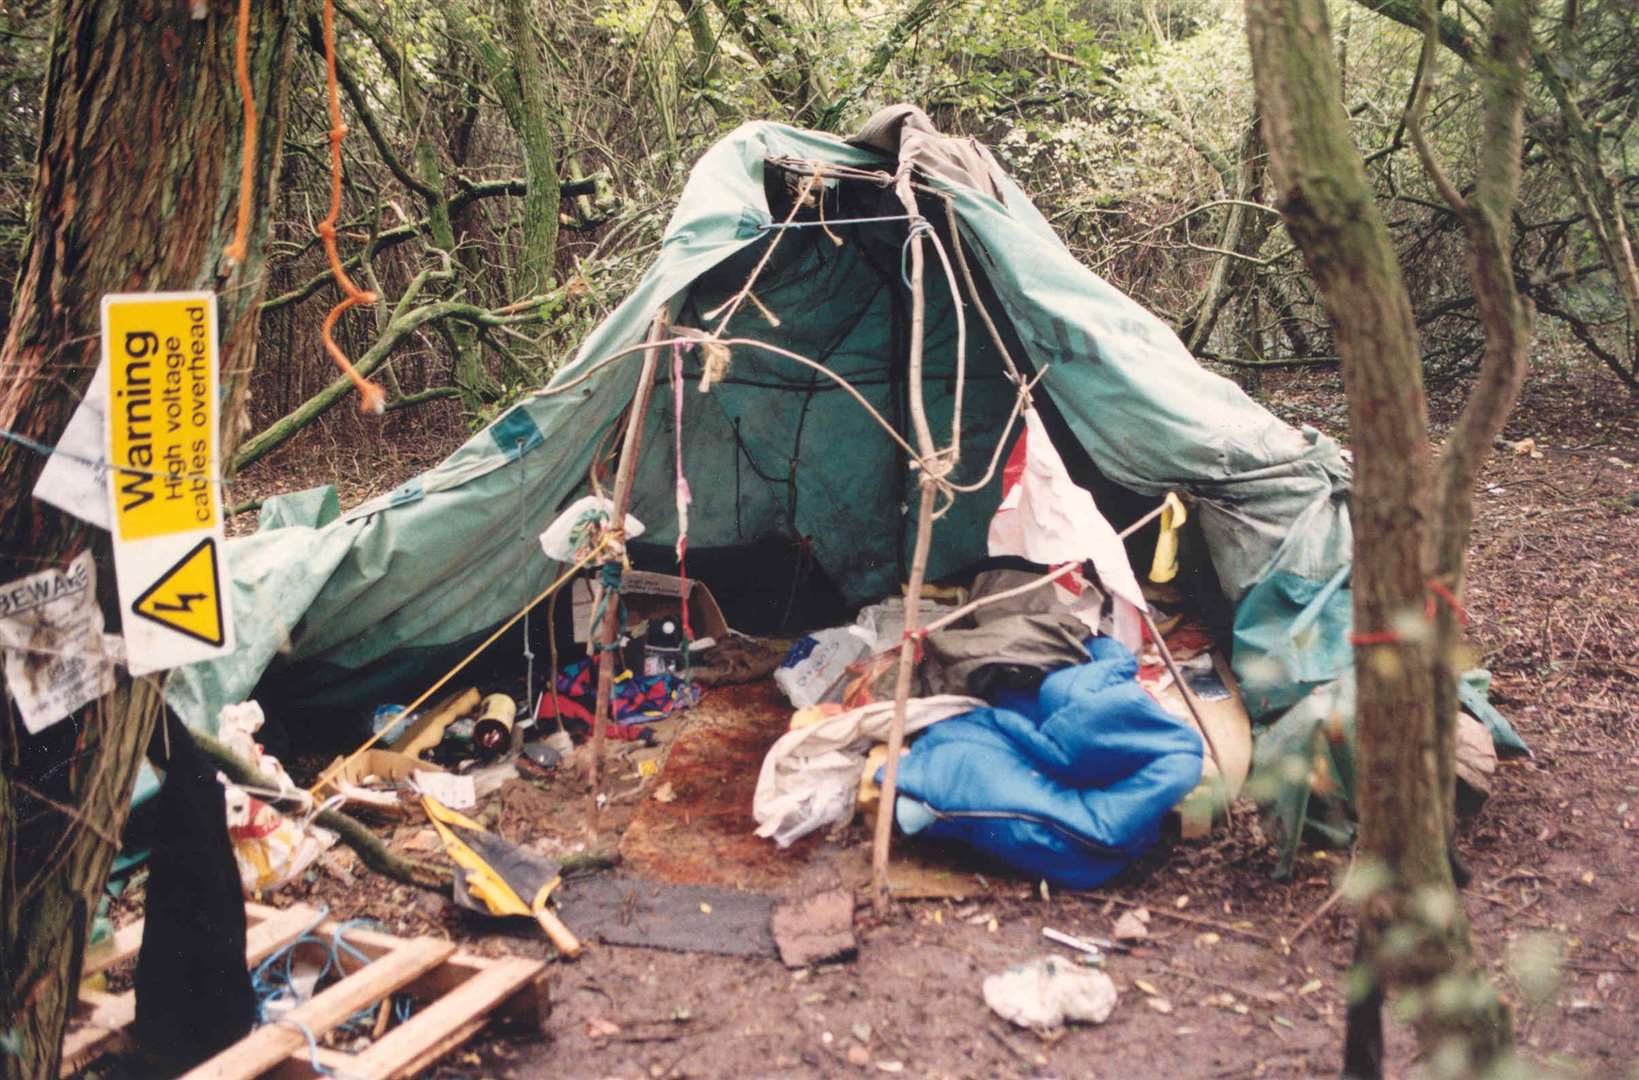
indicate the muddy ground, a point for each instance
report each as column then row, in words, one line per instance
column 1238, row 977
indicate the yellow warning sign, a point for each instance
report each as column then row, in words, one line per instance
column 187, row 598
column 161, row 354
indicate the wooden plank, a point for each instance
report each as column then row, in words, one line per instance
column 100, row 1019
column 102, row 1030
column 267, row 1046
column 127, row 940
column 440, row 1027
column 299, row 1066
column 461, row 966
column 275, row 931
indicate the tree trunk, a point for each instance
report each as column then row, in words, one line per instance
column 536, row 268
column 136, row 189
column 1245, row 230
column 1413, row 933
column 520, row 82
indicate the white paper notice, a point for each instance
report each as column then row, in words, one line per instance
column 455, row 792
column 70, row 481
column 51, row 629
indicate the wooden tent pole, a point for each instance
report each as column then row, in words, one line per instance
column 629, row 450
column 880, row 897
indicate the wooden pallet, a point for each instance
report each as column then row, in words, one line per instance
column 458, row 993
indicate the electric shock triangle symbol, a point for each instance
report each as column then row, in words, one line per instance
column 187, row 598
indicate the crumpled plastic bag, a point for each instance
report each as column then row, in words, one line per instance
column 1048, row 991
column 270, row 848
column 236, row 728
column 573, row 536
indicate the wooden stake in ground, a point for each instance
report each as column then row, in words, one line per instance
column 616, row 540
column 919, row 561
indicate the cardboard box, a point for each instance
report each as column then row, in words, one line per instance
column 653, row 596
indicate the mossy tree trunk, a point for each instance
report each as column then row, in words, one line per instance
column 1412, row 514
column 136, row 190
column 535, row 123
column 517, row 73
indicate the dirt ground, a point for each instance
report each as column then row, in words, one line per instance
column 1237, row 979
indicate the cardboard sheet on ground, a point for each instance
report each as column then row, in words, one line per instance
column 681, row 918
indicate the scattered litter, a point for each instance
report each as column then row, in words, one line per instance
column 1048, row 991
column 455, row 792
column 815, row 929
column 1091, row 946
column 817, row 663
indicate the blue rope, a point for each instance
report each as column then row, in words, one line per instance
column 96, row 463
column 609, row 576
column 271, row 985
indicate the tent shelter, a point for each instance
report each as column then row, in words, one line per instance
column 338, row 613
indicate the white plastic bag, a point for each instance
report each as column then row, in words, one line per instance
column 1049, row 990
column 572, row 536
column 816, row 665
column 810, row 777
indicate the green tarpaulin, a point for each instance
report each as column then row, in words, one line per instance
column 346, row 612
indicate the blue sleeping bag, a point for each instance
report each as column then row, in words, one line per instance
column 1069, row 784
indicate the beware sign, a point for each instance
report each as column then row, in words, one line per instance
column 165, row 508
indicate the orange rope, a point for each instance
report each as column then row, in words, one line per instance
column 1437, row 590
column 371, row 397
column 236, row 251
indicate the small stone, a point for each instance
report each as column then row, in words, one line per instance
column 1160, row 1005
column 1129, row 927
column 862, row 1032
column 858, row 1055
column 422, row 840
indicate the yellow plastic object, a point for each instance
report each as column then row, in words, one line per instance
column 486, row 878
column 483, row 882
column 1173, row 515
